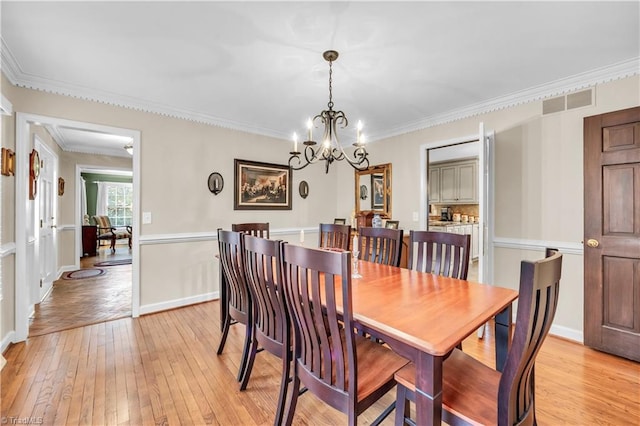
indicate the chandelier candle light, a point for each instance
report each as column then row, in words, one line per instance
column 330, row 150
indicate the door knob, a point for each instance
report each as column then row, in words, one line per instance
column 593, row 243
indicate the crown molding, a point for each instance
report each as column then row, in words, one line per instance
column 573, row 83
column 17, row 77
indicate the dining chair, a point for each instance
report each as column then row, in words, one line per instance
column 340, row 221
column 473, row 393
column 239, row 304
column 380, row 245
column 441, row 253
column 256, row 229
column 346, row 371
column 263, row 268
column 392, row 224
column 332, row 235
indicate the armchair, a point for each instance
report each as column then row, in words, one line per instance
column 106, row 232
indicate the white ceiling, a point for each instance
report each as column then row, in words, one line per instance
column 258, row 67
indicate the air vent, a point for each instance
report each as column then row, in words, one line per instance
column 579, row 99
column 570, row 101
column 553, row 105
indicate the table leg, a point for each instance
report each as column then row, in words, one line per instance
column 429, row 389
column 503, row 336
column 224, row 305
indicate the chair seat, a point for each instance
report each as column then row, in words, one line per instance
column 467, row 384
column 118, row 234
column 379, row 364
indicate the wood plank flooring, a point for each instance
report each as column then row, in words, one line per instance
column 75, row 303
column 163, row 369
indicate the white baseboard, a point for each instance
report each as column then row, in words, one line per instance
column 178, row 303
column 6, row 341
column 567, row 333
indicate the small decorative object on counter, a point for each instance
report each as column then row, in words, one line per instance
column 376, row 222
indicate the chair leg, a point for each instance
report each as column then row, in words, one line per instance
column 113, row 244
column 293, row 397
column 284, row 385
column 225, row 332
column 402, row 405
column 246, row 374
column 248, row 336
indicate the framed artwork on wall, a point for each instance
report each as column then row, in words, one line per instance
column 377, row 192
column 261, row 186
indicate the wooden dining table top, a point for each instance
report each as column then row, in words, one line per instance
column 427, row 312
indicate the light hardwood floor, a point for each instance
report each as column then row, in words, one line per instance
column 75, row 303
column 163, row 369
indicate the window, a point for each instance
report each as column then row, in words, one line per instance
column 120, row 203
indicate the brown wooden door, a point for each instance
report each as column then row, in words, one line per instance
column 612, row 232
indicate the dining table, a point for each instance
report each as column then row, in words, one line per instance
column 423, row 317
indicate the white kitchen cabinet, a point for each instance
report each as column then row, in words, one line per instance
column 457, row 182
column 475, row 241
column 434, row 185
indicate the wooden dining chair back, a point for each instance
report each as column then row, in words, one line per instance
column 380, row 245
column 263, row 267
column 256, row 229
column 239, row 304
column 333, row 235
column 344, row 370
column 441, row 253
column 473, row 393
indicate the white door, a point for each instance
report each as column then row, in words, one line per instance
column 46, row 200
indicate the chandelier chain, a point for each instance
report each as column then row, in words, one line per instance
column 330, row 104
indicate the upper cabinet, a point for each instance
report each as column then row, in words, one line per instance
column 453, row 182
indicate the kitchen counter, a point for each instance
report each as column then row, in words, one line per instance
column 446, row 222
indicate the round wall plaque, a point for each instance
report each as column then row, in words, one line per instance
column 215, row 183
column 304, row 189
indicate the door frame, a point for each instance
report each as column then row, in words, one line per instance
column 41, row 147
column 24, row 209
column 485, row 186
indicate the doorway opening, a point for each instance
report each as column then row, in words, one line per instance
column 468, row 192
column 26, row 252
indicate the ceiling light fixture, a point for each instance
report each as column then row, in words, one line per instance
column 330, row 150
column 129, row 148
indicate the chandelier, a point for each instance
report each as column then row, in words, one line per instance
column 330, row 149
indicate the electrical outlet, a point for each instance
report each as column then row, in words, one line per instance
column 146, row 218
column 416, row 217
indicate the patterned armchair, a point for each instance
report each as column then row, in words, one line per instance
column 106, row 232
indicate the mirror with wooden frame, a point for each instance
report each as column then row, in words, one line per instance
column 373, row 190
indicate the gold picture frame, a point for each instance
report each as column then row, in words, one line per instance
column 8, row 162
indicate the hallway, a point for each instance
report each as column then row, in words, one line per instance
column 83, row 301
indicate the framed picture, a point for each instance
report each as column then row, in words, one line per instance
column 377, row 192
column 8, row 159
column 261, row 186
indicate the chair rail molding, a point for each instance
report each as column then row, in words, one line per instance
column 567, row 247
column 185, row 237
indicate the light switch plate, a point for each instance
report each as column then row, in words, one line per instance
column 146, row 218
column 415, row 217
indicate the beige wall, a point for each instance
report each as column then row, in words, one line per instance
column 538, row 193
column 177, row 156
column 538, row 190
